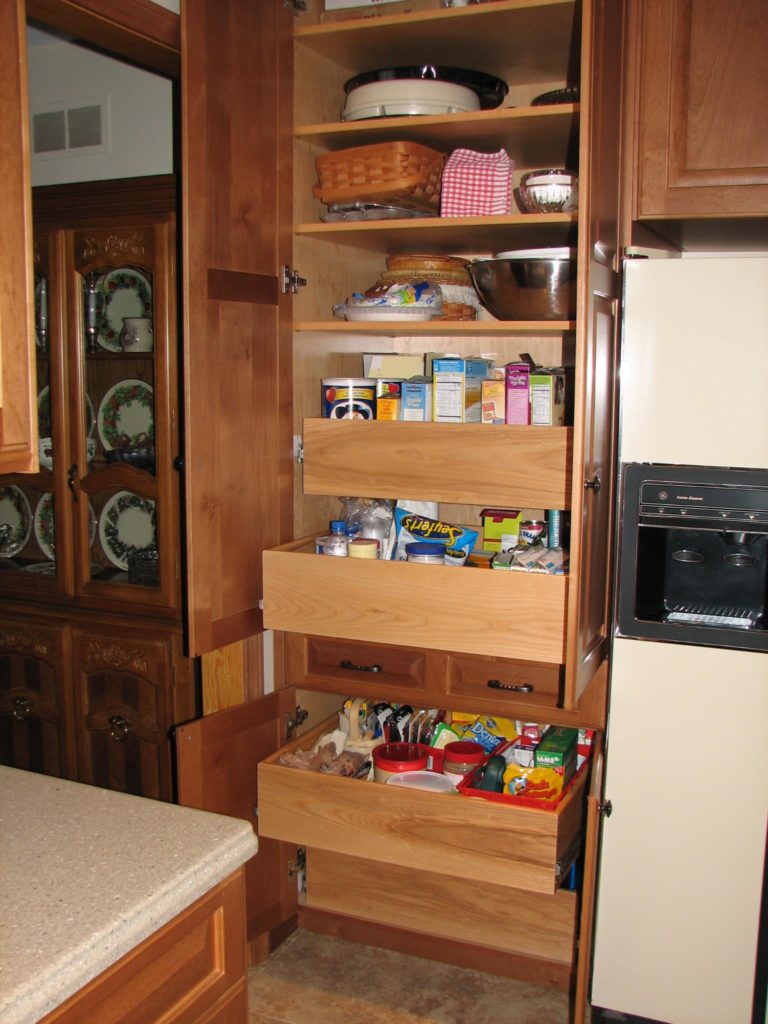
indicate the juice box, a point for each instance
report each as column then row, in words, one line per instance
column 417, row 399
column 493, row 401
column 547, row 396
column 517, row 390
column 457, row 391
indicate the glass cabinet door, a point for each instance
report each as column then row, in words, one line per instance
column 121, row 478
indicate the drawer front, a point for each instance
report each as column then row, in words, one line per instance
column 494, row 681
column 525, row 923
column 341, row 666
column 462, row 837
column 503, row 614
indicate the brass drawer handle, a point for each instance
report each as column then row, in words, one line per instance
column 22, row 708
column 496, row 684
column 350, row 666
column 119, row 728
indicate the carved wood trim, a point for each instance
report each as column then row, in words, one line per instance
column 116, row 656
column 25, row 641
column 115, row 247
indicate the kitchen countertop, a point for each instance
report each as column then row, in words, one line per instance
column 86, row 874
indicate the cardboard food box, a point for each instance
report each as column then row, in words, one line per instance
column 517, row 394
column 392, row 365
column 547, row 397
column 457, row 390
column 493, row 401
column 557, row 750
column 501, row 528
column 417, row 400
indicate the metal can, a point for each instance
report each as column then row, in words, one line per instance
column 554, row 528
column 533, row 531
column 425, row 551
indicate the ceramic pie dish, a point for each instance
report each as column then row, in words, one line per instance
column 408, row 96
column 490, row 91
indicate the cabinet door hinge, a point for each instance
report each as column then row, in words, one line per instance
column 292, row 280
column 298, row 448
column 297, row 6
column 292, row 722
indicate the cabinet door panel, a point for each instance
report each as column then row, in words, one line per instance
column 587, row 630
column 18, row 423
column 236, row 157
column 122, row 689
column 35, row 718
column 702, row 78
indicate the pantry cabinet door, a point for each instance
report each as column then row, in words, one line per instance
column 236, row 168
column 593, row 448
column 18, row 411
column 217, row 758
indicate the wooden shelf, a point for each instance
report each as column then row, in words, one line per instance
column 534, row 136
column 430, row 328
column 522, row 41
column 449, row 235
column 460, row 463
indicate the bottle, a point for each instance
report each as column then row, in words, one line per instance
column 336, row 542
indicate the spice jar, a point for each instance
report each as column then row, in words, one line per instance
column 461, row 758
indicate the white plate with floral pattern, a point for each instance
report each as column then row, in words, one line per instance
column 127, row 523
column 15, row 520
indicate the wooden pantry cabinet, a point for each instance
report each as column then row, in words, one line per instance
column 699, row 77
column 429, row 635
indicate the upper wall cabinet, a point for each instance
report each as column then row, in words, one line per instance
column 701, row 79
column 18, row 421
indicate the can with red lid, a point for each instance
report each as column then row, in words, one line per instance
column 461, row 758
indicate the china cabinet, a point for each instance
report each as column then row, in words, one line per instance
column 90, row 543
column 699, row 79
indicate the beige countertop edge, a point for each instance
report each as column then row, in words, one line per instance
column 86, row 874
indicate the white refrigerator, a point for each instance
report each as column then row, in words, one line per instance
column 682, row 859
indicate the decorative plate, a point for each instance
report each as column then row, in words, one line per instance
column 44, row 413
column 15, row 513
column 126, row 416
column 127, row 524
column 45, row 526
column 123, row 292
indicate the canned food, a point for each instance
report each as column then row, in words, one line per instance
column 554, row 528
column 425, row 551
column 349, row 398
column 533, row 531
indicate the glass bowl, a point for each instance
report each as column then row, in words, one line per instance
column 548, row 191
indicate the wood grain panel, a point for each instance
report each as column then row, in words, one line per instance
column 190, row 967
column 490, row 915
column 506, row 614
column 515, row 846
column 508, row 466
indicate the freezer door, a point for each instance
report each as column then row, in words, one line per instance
column 683, row 850
column 694, row 362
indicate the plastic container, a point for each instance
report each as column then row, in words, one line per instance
column 348, row 398
column 394, row 758
column 426, row 551
column 336, row 543
column 461, row 758
column 363, row 547
column 429, row 781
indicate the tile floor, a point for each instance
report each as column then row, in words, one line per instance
column 315, row 979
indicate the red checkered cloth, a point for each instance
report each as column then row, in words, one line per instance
column 476, row 184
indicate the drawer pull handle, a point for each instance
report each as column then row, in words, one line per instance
column 119, row 727
column 22, row 708
column 350, row 666
column 496, row 684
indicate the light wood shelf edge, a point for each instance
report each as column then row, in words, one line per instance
column 438, row 327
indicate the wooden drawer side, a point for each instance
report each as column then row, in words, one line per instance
column 503, row 614
column 410, row 462
column 492, row 915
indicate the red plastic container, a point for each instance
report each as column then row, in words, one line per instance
column 393, row 758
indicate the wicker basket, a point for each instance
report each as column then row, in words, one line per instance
column 391, row 173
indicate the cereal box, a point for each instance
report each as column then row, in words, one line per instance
column 457, row 391
column 493, row 401
column 501, row 528
column 547, row 396
column 517, row 399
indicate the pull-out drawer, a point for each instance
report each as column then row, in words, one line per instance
column 502, row 686
column 475, row 611
column 515, row 846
